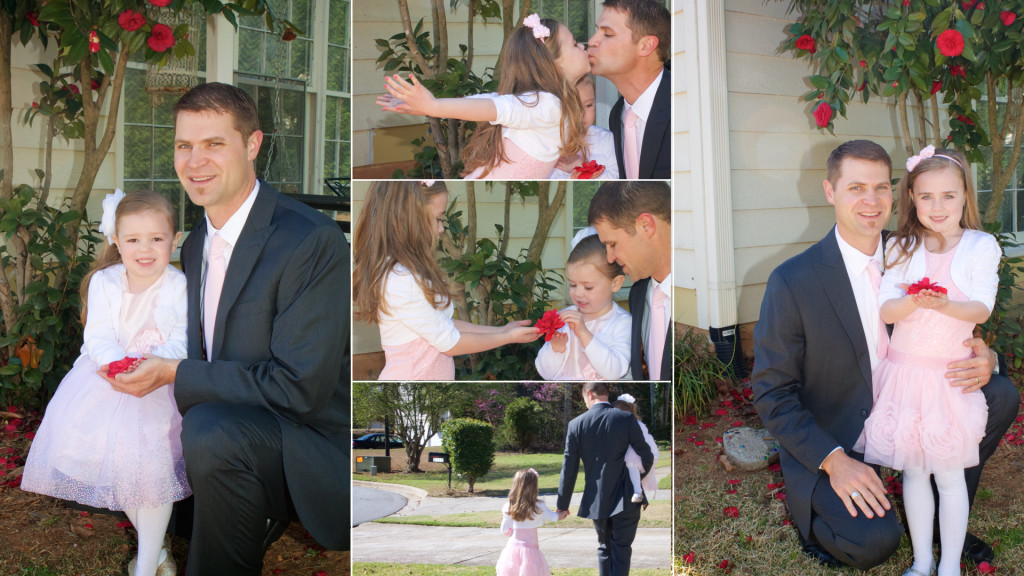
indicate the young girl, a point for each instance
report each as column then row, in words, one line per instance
column 634, row 465
column 100, row 447
column 520, row 517
column 594, row 343
column 535, row 117
column 920, row 424
column 600, row 143
column 398, row 285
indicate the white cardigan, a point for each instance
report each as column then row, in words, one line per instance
column 508, row 524
column 974, row 269
column 102, row 324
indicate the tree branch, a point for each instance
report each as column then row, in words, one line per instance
column 410, row 39
column 908, row 139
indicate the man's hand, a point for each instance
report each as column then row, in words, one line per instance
column 972, row 373
column 856, row 484
column 563, row 514
column 151, row 374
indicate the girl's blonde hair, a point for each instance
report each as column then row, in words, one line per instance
column 132, row 203
column 523, row 502
column 592, row 250
column 628, row 407
column 396, row 227
column 910, row 232
column 528, row 65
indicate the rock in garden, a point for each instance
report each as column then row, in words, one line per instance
column 750, row 449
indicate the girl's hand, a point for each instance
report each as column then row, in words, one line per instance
column 515, row 324
column 931, row 299
column 559, row 342
column 521, row 334
column 574, row 318
column 407, row 97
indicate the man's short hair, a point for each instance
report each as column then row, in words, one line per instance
column 859, row 149
column 222, row 99
column 646, row 18
column 621, row 202
column 598, row 388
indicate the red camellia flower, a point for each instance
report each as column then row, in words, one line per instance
column 588, row 171
column 924, row 284
column 731, row 512
column 906, row 2
column 549, row 324
column 121, row 365
column 721, row 412
column 160, row 3
column 689, row 557
column 73, row 88
column 805, row 42
column 94, row 42
column 32, row 17
column 723, row 564
column 936, row 86
column 289, row 35
column 863, row 85
column 775, row 467
column 951, row 43
column 823, row 114
column 965, row 119
column 1007, row 17
column 863, row 64
column 968, row 4
column 131, row 20
column 161, row 38
column 986, row 568
column 958, row 71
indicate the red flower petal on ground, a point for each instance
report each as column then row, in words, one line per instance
column 549, row 324
column 737, row 424
column 124, row 524
column 731, row 511
column 1007, row 17
column 32, row 17
column 94, row 42
column 707, row 425
column 936, row 86
column 805, row 42
column 723, row 564
column 89, row 526
column 698, row 443
column 787, row 522
column 748, row 393
column 780, row 495
column 924, row 284
column 320, row 573
column 775, row 467
column 689, row 557
column 130, row 20
column 83, row 514
column 735, row 482
column 986, row 568
column 730, row 491
column 690, row 421
column 161, row 38
column 721, row 412
column 822, row 115
column 951, row 43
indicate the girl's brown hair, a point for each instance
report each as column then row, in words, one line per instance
column 527, row 65
column 627, row 406
column 592, row 250
column 396, row 227
column 132, row 203
column 910, row 232
column 523, row 497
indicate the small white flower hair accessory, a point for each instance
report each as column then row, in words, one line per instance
column 588, row 231
column 108, row 224
column 540, row 31
column 627, row 398
column 925, row 153
column 427, row 183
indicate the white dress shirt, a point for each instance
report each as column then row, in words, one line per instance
column 232, row 228
column 867, row 302
column 642, row 108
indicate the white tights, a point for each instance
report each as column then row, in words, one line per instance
column 151, row 525
column 953, row 511
column 634, row 477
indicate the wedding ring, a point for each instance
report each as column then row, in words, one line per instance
column 977, row 380
column 855, row 494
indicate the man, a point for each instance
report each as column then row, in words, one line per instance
column 633, row 220
column 630, row 49
column 600, row 437
column 264, row 392
column 815, row 346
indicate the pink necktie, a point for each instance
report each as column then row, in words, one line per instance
column 658, row 331
column 876, row 282
column 214, row 283
column 630, row 155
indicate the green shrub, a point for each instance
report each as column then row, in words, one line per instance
column 523, row 419
column 470, row 444
column 698, row 372
column 1002, row 331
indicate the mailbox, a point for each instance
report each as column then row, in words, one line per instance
column 439, row 457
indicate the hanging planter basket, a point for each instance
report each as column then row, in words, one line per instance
column 178, row 75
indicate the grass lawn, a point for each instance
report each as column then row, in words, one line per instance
column 761, row 540
column 434, row 478
column 657, row 515
column 381, row 569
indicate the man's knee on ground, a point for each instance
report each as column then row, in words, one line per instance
column 878, row 545
column 208, row 436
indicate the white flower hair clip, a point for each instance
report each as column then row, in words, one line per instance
column 427, row 183
column 540, row 31
column 627, row 398
column 108, row 223
column 588, row 231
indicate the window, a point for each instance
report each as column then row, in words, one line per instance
column 1011, row 211
column 337, row 136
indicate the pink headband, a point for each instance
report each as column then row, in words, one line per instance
column 540, row 31
column 924, row 154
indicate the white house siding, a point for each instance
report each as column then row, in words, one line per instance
column 683, row 230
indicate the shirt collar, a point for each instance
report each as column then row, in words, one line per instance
column 664, row 285
column 855, row 260
column 233, row 227
column 644, row 102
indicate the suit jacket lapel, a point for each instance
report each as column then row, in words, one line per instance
column 250, row 244
column 831, row 270
column 615, row 125
column 192, row 266
column 657, row 124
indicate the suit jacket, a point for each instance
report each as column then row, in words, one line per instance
column 600, row 437
column 281, row 343
column 812, row 369
column 637, row 305
column 656, row 152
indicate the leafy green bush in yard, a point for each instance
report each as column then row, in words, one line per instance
column 698, row 372
column 1002, row 332
column 523, row 419
column 470, row 444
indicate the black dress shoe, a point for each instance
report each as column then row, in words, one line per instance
column 815, row 552
column 976, row 550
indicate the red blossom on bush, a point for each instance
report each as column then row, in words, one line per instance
column 549, row 323
column 965, row 119
column 823, row 114
column 958, row 71
column 951, row 43
column 289, row 35
column 94, row 42
column 35, row 104
column 32, row 17
column 130, row 20
column 161, row 38
column 731, row 511
column 863, row 85
column 906, row 3
column 1007, row 17
column 936, row 86
column 924, row 284
column 968, row 4
column 863, row 64
column 806, row 42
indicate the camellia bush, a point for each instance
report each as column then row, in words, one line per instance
column 967, row 55
column 470, row 444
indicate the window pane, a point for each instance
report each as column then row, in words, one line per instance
column 337, row 69
column 136, row 108
column 163, row 154
column 137, row 161
column 250, row 51
column 337, row 30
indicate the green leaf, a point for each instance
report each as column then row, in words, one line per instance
column 106, row 62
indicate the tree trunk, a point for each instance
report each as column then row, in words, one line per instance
column 547, row 210
column 1013, row 125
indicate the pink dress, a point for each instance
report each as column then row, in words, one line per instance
column 520, row 166
column 633, row 460
column 919, row 421
column 531, row 135
column 106, row 449
column 414, row 334
column 416, row 360
column 522, row 555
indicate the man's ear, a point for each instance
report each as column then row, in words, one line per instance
column 646, row 224
column 829, row 191
column 647, row 46
column 254, row 143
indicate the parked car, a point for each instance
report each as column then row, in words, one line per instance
column 375, row 440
